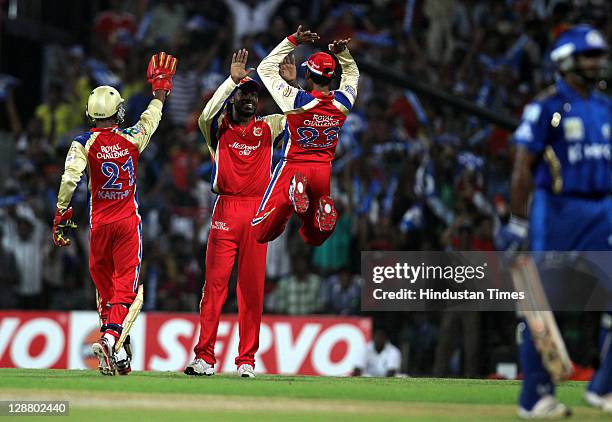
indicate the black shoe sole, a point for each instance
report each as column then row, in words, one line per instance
column 190, row 371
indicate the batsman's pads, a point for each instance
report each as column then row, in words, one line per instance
column 536, row 311
column 130, row 317
column 61, row 224
column 161, row 68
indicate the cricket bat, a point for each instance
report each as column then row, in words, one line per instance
column 130, row 317
column 540, row 319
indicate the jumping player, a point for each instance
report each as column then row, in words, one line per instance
column 301, row 180
column 241, row 150
column 563, row 148
column 110, row 157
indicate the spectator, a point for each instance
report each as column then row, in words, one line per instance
column 165, row 25
column 298, row 293
column 251, row 16
column 380, row 358
column 342, row 293
column 25, row 235
column 56, row 115
column 9, row 276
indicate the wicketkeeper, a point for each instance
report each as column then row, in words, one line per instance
column 110, row 156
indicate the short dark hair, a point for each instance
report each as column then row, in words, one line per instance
column 320, row 79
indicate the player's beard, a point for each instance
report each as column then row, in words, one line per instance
column 246, row 112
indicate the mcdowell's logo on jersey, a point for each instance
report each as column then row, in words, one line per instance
column 219, row 225
column 111, row 151
column 245, row 149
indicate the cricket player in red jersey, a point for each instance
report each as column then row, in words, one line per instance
column 241, row 149
column 110, row 157
column 301, row 180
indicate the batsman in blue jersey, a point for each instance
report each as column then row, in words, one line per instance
column 563, row 161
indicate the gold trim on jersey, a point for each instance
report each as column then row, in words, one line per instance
column 554, row 166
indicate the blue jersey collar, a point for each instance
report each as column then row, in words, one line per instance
column 570, row 92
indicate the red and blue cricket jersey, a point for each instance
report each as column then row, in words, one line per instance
column 110, row 156
column 313, row 118
column 241, row 155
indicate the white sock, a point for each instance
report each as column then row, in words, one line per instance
column 111, row 339
column 121, row 354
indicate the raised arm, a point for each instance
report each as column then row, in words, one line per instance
column 212, row 111
column 282, row 92
column 208, row 120
column 161, row 68
column 350, row 72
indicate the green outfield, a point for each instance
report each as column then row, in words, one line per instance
column 173, row 396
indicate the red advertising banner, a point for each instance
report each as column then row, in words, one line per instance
column 312, row 345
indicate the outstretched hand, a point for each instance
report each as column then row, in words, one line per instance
column 287, row 68
column 303, row 37
column 238, row 70
column 338, row 45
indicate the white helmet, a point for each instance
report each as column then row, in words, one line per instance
column 104, row 102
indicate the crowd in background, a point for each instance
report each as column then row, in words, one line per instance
column 410, row 173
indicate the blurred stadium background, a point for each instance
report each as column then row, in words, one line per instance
column 412, row 172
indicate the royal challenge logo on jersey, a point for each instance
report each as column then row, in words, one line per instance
column 219, row 225
column 108, row 152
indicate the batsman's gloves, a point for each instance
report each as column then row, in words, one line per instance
column 161, row 68
column 512, row 237
column 61, row 224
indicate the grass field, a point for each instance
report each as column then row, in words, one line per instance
column 145, row 396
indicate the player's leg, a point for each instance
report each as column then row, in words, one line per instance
column 101, row 268
column 536, row 382
column 127, row 258
column 319, row 221
column 250, row 290
column 599, row 390
column 275, row 209
column 536, row 398
column 220, row 253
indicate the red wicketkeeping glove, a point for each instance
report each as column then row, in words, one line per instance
column 61, row 224
column 161, row 68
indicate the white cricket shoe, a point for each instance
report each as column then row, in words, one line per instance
column 103, row 351
column 246, row 371
column 603, row 402
column 546, row 408
column 199, row 367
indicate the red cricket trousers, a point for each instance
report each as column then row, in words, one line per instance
column 230, row 235
column 276, row 208
column 114, row 263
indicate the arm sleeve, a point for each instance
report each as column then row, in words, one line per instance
column 76, row 162
column 142, row 131
column 533, row 130
column 277, row 124
column 283, row 93
column 208, row 119
column 350, row 76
